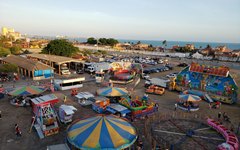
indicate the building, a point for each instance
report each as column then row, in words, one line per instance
column 140, row 46
column 190, row 47
column 236, row 53
column 122, row 46
column 6, row 31
column 9, row 32
column 30, row 68
column 56, row 61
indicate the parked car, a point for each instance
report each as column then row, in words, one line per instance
column 182, row 65
column 171, row 75
column 145, row 76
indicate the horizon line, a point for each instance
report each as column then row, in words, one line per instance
column 135, row 39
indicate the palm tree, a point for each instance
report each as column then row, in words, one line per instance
column 164, row 43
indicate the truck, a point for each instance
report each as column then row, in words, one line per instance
column 158, row 82
column 96, row 67
column 64, row 70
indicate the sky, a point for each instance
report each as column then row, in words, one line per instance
column 172, row 20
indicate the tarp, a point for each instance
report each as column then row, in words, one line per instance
column 68, row 109
column 112, row 92
column 27, row 90
column 189, row 98
column 101, row 132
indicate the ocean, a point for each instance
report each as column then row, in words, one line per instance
column 170, row 44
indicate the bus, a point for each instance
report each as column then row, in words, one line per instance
column 67, row 84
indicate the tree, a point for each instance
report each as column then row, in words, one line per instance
column 26, row 52
column 164, row 43
column 16, row 50
column 4, row 52
column 139, row 42
column 112, row 42
column 91, row 40
column 8, row 68
column 86, row 52
column 60, row 47
column 103, row 41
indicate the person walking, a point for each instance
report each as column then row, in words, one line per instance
column 65, row 99
column 189, row 107
column 18, row 131
column 175, row 108
column 219, row 115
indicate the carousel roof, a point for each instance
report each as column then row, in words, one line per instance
column 112, row 91
column 190, row 98
column 101, row 132
column 27, row 90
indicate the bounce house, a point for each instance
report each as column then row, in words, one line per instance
column 214, row 82
column 139, row 108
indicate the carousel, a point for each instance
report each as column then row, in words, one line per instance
column 21, row 96
column 113, row 93
column 188, row 102
column 101, row 132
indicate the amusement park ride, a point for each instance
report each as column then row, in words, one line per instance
column 139, row 108
column 210, row 83
column 125, row 72
column 45, row 116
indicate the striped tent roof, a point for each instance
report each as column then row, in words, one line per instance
column 101, row 132
column 112, row 91
column 27, row 90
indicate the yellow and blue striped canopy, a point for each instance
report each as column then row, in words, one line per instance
column 101, row 132
column 190, row 98
column 112, row 91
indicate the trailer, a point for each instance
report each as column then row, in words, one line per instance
column 96, row 67
column 66, row 113
column 67, row 84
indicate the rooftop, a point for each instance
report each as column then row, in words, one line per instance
column 26, row 63
column 53, row 58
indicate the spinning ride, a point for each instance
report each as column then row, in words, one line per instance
column 184, row 134
column 215, row 81
column 101, row 132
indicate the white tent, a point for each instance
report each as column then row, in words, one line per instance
column 197, row 55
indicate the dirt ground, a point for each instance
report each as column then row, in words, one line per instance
column 30, row 141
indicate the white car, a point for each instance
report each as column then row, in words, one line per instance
column 145, row 76
column 172, row 75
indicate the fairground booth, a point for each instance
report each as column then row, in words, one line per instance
column 209, row 81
